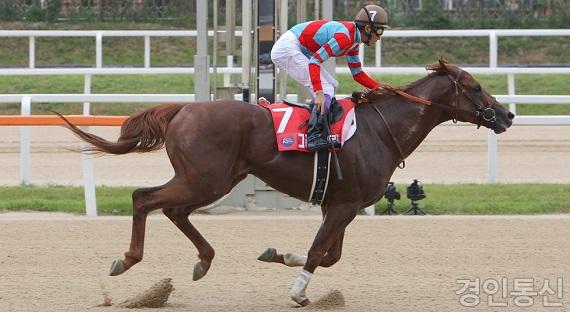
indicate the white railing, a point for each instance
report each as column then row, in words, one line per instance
column 492, row 34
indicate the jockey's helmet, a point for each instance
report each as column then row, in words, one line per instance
column 373, row 15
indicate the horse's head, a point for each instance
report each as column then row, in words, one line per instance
column 467, row 101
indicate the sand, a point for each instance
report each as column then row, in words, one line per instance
column 400, row 263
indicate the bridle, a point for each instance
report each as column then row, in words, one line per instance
column 483, row 112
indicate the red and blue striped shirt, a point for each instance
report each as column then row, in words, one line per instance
column 322, row 39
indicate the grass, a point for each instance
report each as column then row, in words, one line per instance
column 488, row 199
column 470, row 199
column 110, row 200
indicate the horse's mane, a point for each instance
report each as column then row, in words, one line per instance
column 438, row 68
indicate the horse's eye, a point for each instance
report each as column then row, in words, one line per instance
column 477, row 88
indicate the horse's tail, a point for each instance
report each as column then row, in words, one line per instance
column 141, row 133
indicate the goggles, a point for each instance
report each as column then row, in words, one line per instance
column 378, row 31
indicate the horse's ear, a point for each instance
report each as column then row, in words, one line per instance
column 439, row 66
column 435, row 67
column 443, row 63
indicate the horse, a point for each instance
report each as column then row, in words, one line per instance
column 214, row 145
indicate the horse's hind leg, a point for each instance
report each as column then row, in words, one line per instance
column 173, row 194
column 179, row 217
column 293, row 260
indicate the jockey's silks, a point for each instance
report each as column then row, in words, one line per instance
column 322, row 39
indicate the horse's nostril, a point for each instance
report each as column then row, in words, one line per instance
column 511, row 116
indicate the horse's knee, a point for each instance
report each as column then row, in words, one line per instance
column 330, row 259
column 315, row 255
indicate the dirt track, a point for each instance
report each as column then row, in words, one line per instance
column 531, row 154
column 59, row 263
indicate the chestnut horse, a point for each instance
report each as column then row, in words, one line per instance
column 214, row 145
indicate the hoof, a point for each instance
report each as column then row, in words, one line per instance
column 267, row 256
column 304, row 303
column 199, row 272
column 117, row 267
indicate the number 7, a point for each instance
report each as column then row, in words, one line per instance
column 288, row 112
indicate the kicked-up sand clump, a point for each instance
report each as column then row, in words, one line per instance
column 334, row 299
column 154, row 297
column 107, row 302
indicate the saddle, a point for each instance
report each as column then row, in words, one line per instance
column 291, row 120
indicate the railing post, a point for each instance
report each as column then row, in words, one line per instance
column 283, row 27
column 227, row 76
column 492, row 156
column 512, row 86
column 99, row 50
column 26, row 110
column 202, row 59
column 378, row 53
column 146, row 51
column 493, row 49
column 246, row 50
column 361, row 54
column 32, row 52
column 370, row 210
column 87, row 161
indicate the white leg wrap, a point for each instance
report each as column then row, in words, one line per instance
column 298, row 290
column 294, row 260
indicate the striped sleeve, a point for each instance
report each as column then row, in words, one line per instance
column 338, row 43
column 353, row 61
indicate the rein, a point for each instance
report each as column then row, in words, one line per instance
column 482, row 113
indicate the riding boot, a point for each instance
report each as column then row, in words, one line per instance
column 317, row 137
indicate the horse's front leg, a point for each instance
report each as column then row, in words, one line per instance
column 334, row 223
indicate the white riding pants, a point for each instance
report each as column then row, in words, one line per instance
column 286, row 54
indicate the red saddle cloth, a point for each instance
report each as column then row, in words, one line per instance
column 291, row 124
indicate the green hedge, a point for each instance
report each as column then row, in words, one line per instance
column 473, row 14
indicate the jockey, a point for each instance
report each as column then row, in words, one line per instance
column 301, row 50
